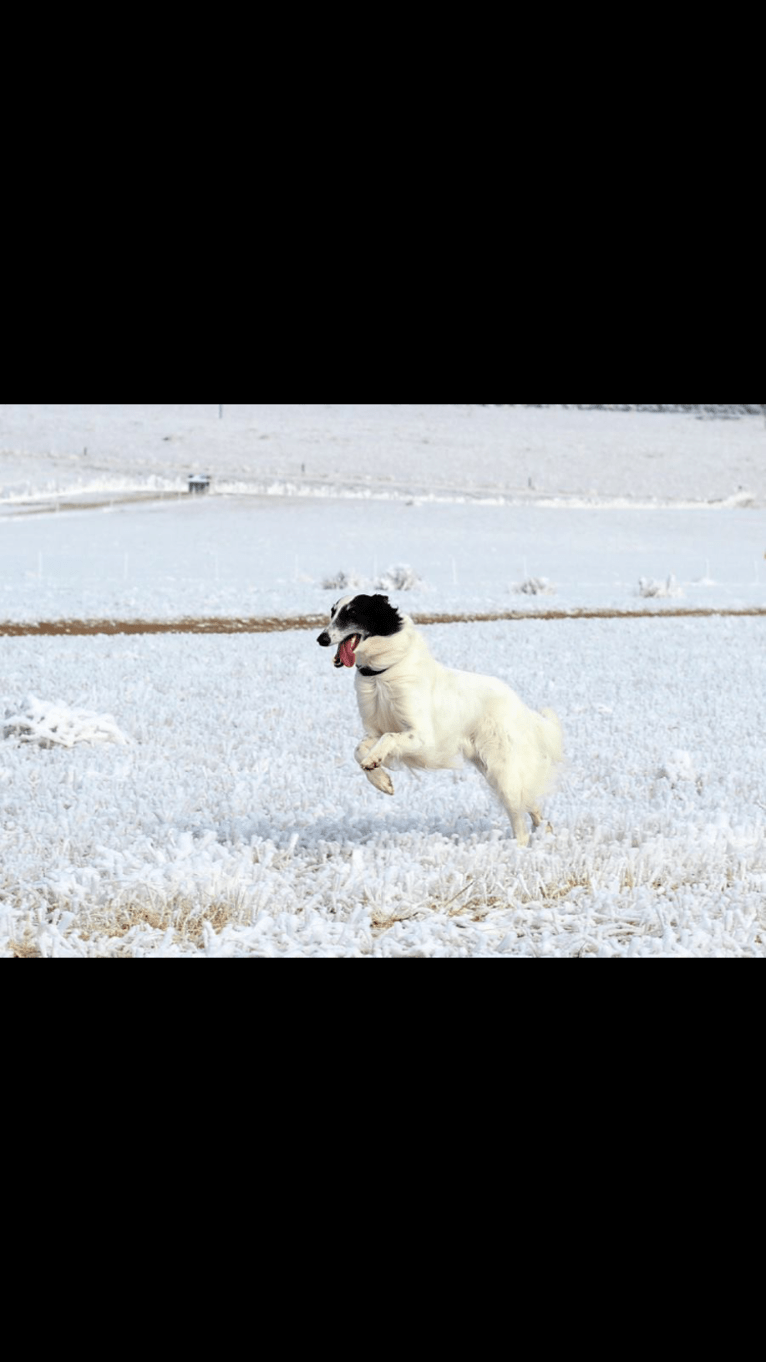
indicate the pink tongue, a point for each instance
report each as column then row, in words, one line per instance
column 347, row 652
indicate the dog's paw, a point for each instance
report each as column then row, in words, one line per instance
column 380, row 779
column 376, row 753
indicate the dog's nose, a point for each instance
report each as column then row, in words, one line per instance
column 324, row 640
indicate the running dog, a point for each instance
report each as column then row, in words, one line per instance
column 420, row 714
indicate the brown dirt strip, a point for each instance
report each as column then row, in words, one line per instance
column 267, row 625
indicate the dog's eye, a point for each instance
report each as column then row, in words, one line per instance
column 332, row 612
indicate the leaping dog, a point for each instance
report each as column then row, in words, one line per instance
column 418, row 713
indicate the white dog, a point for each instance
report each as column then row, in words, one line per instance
column 418, row 713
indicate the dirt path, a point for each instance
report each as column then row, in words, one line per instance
column 17, row 509
column 273, row 624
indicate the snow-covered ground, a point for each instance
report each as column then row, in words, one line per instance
column 198, row 795
column 244, row 556
column 476, row 501
column 232, row 818
column 384, row 451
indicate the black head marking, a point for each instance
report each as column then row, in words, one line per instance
column 376, row 616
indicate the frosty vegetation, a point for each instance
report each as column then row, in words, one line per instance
column 669, row 589
column 535, row 586
column 399, row 577
column 236, row 822
column 703, row 411
column 197, row 797
column 55, row 724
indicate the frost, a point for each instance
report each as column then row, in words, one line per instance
column 679, row 766
column 234, row 821
column 647, row 587
column 345, row 581
column 49, row 724
column 535, row 586
column 237, row 822
column 398, row 577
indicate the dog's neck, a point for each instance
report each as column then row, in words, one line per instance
column 388, row 649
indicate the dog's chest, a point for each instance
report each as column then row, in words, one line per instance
column 379, row 709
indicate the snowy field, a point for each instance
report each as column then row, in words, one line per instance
column 383, row 451
column 304, row 494
column 249, row 556
column 233, row 820
column 197, row 796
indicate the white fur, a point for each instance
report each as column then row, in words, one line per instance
column 423, row 715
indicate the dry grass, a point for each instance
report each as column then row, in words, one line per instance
column 114, row 922
column 185, row 917
column 24, row 950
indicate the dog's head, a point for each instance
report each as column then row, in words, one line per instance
column 354, row 620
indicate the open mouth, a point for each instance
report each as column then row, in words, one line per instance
column 346, row 654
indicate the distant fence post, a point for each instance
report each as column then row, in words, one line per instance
column 220, row 413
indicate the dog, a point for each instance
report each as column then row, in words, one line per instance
column 417, row 713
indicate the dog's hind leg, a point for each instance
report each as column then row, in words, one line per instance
column 515, row 810
column 509, row 794
column 537, row 820
column 520, row 826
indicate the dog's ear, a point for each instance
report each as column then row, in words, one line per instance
column 384, row 618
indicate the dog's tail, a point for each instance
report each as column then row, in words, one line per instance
column 552, row 736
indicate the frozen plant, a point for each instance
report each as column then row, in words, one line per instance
column 648, row 587
column 398, row 577
column 56, row 725
column 344, row 581
column 535, row 586
column 678, row 766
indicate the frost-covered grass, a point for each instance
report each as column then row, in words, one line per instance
column 198, row 795
column 244, row 556
column 234, row 820
column 464, row 508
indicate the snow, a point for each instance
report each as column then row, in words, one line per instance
column 56, row 724
column 384, row 451
column 238, row 802
column 197, row 796
column 249, row 556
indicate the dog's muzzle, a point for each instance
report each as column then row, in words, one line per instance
column 324, row 641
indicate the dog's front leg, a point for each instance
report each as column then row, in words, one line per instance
column 377, row 776
column 396, row 745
